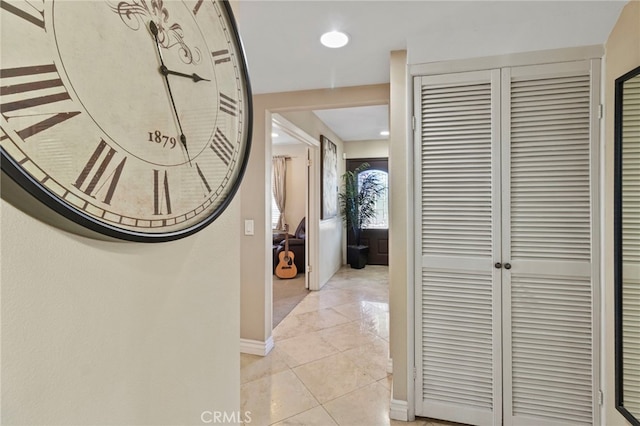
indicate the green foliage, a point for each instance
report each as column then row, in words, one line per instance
column 357, row 202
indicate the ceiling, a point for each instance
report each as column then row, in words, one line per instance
column 281, row 40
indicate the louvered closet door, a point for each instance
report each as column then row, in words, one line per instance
column 457, row 293
column 504, row 173
column 548, row 312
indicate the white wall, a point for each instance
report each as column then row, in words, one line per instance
column 378, row 148
column 400, row 240
column 98, row 332
column 474, row 38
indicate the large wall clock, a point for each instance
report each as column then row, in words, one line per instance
column 129, row 117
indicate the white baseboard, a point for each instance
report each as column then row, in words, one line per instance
column 389, row 366
column 256, row 347
column 399, row 410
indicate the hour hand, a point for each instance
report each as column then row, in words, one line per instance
column 195, row 77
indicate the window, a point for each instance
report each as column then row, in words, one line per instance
column 381, row 221
column 275, row 213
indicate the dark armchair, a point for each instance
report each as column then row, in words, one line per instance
column 296, row 245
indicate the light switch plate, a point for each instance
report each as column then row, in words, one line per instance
column 248, row 227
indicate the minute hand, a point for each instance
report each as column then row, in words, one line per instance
column 195, row 77
column 183, row 138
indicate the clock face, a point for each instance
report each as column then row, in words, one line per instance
column 130, row 117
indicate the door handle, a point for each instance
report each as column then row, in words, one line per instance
column 499, row 265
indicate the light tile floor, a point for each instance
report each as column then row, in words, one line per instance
column 329, row 364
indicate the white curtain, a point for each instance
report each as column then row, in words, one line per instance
column 279, row 187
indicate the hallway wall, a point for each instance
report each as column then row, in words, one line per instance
column 400, row 239
column 378, row 148
column 121, row 333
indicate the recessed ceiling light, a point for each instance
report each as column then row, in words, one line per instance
column 334, row 39
column 384, row 133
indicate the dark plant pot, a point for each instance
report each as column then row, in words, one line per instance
column 357, row 256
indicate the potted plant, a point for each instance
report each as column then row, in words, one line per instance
column 357, row 207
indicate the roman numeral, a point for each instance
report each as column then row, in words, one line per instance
column 24, row 89
column 222, row 147
column 43, row 125
column 30, row 11
column 228, row 105
column 160, row 193
column 100, row 177
column 196, row 8
column 204, row 180
column 41, row 78
column 221, row 56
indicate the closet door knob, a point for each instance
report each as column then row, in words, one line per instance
column 507, row 266
column 498, row 265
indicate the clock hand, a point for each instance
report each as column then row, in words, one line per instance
column 183, row 138
column 195, row 77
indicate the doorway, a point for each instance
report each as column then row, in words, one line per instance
column 303, row 153
column 376, row 234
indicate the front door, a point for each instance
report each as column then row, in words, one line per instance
column 376, row 235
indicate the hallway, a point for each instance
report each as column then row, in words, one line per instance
column 329, row 364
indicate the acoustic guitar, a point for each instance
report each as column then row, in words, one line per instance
column 286, row 269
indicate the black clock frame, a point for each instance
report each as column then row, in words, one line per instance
column 13, row 170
